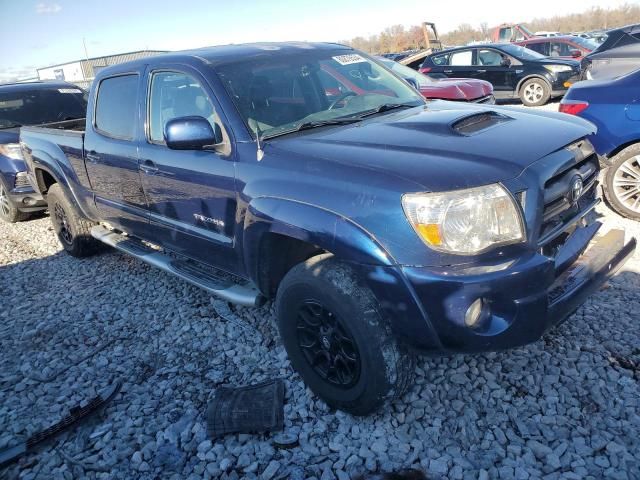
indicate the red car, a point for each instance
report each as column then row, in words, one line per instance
column 566, row 46
column 455, row 89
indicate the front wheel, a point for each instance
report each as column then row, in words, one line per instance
column 337, row 339
column 8, row 210
column 73, row 231
column 535, row 92
column 622, row 183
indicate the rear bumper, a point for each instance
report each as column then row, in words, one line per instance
column 522, row 298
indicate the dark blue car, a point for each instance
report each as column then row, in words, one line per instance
column 614, row 107
column 22, row 104
column 381, row 224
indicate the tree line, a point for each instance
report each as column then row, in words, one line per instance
column 398, row 38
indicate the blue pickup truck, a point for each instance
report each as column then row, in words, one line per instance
column 31, row 103
column 382, row 224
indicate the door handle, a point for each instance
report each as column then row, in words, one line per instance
column 148, row 167
column 481, row 71
column 448, row 71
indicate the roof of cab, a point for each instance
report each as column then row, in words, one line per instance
column 36, row 85
column 222, row 54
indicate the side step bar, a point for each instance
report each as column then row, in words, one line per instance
column 213, row 281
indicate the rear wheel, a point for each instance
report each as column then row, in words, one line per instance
column 622, row 183
column 336, row 337
column 73, row 231
column 535, row 92
column 8, row 210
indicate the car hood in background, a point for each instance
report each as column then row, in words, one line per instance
column 459, row 89
column 428, row 146
column 9, row 135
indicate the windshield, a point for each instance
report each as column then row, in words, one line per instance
column 41, row 105
column 521, row 53
column 406, row 72
column 277, row 94
column 585, row 43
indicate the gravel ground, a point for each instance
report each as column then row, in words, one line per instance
column 567, row 406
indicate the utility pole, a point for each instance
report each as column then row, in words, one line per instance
column 86, row 55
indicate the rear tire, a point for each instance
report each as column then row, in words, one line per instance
column 622, row 183
column 337, row 339
column 8, row 210
column 535, row 92
column 73, row 230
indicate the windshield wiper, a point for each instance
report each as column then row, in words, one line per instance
column 314, row 124
column 385, row 107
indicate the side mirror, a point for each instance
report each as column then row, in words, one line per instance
column 412, row 82
column 506, row 62
column 190, row 133
column 576, row 53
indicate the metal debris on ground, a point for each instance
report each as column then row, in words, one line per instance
column 77, row 413
column 249, row 409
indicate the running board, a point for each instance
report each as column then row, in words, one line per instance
column 208, row 278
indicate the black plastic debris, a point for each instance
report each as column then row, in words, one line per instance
column 249, row 409
column 77, row 413
column 285, row 440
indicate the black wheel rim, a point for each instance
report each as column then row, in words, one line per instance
column 63, row 224
column 327, row 345
column 4, row 202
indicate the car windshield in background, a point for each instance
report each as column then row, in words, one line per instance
column 585, row 42
column 521, row 53
column 41, row 105
column 280, row 94
column 406, row 73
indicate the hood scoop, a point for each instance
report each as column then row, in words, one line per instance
column 478, row 122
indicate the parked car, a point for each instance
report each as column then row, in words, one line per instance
column 547, row 34
column 454, row 89
column 618, row 55
column 379, row 222
column 614, row 107
column 566, row 46
column 514, row 71
column 21, row 104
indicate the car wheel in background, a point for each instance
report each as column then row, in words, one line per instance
column 535, row 92
column 8, row 210
column 73, row 231
column 622, row 182
column 337, row 339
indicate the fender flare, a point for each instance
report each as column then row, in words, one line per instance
column 315, row 225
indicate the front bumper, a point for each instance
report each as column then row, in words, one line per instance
column 563, row 82
column 522, row 298
column 27, row 200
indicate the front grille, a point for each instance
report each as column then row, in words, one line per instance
column 562, row 199
column 22, row 180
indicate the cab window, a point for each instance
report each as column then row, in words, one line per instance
column 461, row 59
column 489, row 58
column 174, row 95
column 116, row 106
column 559, row 49
column 540, row 47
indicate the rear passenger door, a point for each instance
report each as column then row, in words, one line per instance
column 491, row 66
column 461, row 64
column 191, row 193
column 111, row 153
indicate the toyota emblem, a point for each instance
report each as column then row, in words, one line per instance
column 576, row 189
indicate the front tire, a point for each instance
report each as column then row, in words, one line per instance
column 622, row 183
column 337, row 339
column 73, row 230
column 535, row 92
column 8, row 210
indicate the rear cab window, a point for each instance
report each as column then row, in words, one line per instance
column 116, row 106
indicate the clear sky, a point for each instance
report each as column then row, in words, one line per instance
column 46, row 32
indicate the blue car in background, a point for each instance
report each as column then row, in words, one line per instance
column 614, row 106
column 33, row 103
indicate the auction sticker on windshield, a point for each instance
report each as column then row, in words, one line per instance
column 349, row 59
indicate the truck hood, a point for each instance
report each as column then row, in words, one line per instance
column 460, row 89
column 444, row 145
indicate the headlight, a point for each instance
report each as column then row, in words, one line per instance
column 466, row 221
column 558, row 68
column 11, row 150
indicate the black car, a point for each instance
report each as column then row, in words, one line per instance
column 618, row 55
column 514, row 71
